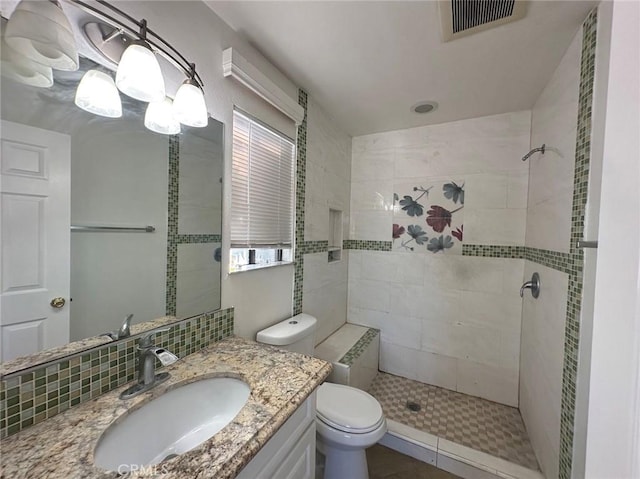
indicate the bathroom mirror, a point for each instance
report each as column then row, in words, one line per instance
column 162, row 193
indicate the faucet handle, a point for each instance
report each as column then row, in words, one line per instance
column 146, row 339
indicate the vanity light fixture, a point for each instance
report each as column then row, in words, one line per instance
column 160, row 118
column 40, row 31
column 98, row 94
column 189, row 107
column 139, row 74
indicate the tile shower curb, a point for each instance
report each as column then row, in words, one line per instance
column 440, row 452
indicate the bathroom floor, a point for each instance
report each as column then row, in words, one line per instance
column 473, row 422
column 385, row 463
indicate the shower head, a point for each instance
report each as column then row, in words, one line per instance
column 535, row 150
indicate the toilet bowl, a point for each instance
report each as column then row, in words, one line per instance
column 348, row 420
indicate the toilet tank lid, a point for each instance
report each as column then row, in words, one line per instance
column 288, row 331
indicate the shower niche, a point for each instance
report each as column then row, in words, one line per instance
column 335, row 236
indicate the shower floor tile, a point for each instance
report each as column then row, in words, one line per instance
column 473, row 422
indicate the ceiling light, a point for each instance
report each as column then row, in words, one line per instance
column 19, row 68
column 189, row 107
column 98, row 94
column 424, row 107
column 139, row 74
column 159, row 118
column 40, row 31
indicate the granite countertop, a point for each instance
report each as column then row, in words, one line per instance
column 280, row 381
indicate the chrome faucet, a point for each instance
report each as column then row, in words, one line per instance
column 147, row 377
column 124, row 331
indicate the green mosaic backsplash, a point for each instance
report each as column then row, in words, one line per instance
column 29, row 398
column 493, row 251
column 301, row 174
column 551, row 259
column 357, row 349
column 369, row 245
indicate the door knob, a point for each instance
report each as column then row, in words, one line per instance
column 57, row 302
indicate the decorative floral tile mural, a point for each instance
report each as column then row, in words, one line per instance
column 428, row 217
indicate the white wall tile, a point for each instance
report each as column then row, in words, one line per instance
column 495, row 310
column 517, row 189
column 542, row 357
column 437, row 369
column 329, row 305
column 549, row 223
column 366, row 294
column 372, row 165
column 493, row 383
column 374, row 195
column 439, row 298
column 495, row 226
column 371, row 225
column 487, row 190
column 398, row 360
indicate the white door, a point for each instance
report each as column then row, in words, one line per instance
column 35, row 228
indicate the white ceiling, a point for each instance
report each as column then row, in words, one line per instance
column 367, row 63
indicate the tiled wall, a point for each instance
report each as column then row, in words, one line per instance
column 445, row 318
column 553, row 122
column 32, row 397
column 323, row 184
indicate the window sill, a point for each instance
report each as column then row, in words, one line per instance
column 253, row 267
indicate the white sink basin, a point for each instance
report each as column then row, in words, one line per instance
column 171, row 424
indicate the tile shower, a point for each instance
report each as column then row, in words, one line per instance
column 446, row 224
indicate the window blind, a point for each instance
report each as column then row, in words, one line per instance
column 262, row 186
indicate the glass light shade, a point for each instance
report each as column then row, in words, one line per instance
column 159, row 118
column 98, row 94
column 40, row 31
column 19, row 68
column 189, row 107
column 139, row 74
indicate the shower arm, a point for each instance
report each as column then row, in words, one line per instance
column 535, row 150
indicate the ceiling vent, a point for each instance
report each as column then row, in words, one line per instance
column 460, row 18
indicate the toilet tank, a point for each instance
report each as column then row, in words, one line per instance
column 293, row 334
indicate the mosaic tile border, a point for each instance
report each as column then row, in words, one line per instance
column 578, row 209
column 357, row 349
column 493, row 251
column 369, row 245
column 198, row 238
column 310, row 247
column 172, row 226
column 37, row 395
column 301, row 174
column 173, row 237
column 549, row 258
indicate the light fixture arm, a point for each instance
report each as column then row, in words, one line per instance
column 140, row 30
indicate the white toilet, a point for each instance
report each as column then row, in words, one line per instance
column 348, row 420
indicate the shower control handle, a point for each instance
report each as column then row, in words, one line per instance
column 533, row 285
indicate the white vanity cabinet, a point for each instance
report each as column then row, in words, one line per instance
column 291, row 452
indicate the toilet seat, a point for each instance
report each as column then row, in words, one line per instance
column 348, row 409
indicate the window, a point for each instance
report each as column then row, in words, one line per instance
column 261, row 195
